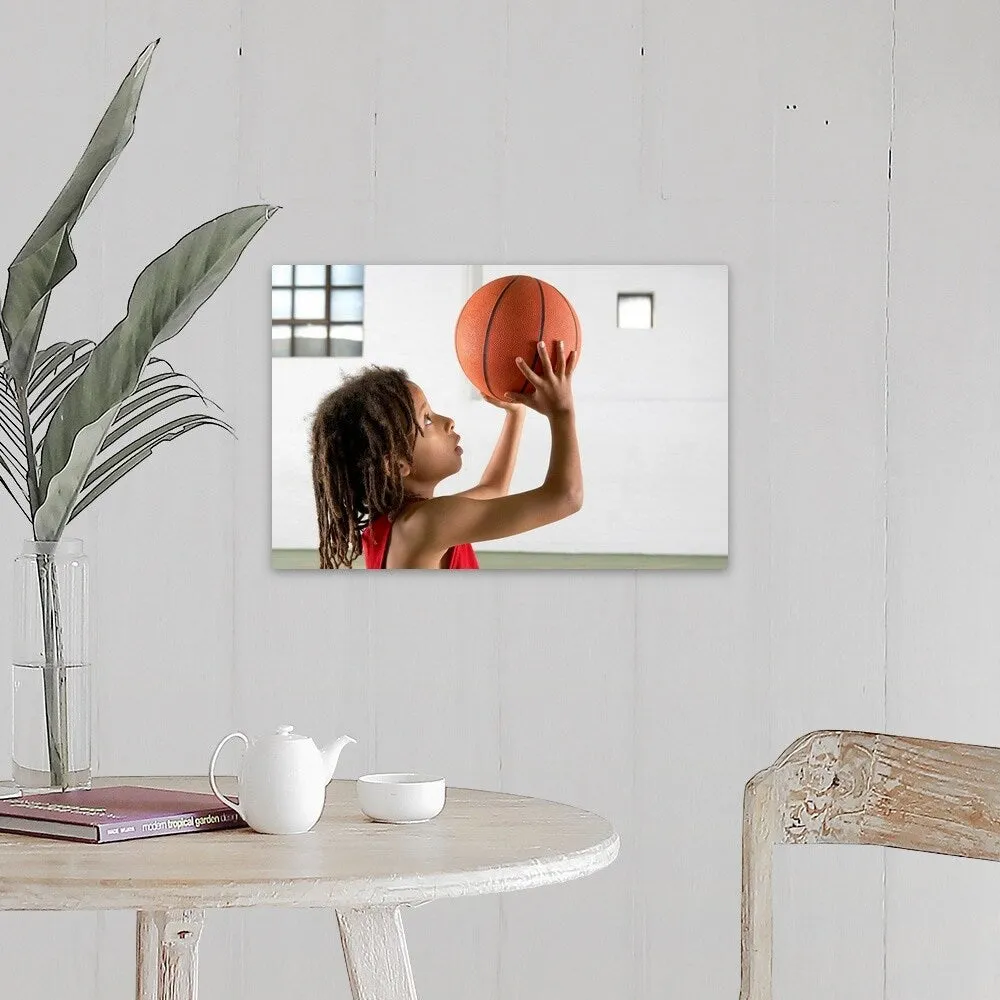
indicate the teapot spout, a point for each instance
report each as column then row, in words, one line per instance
column 331, row 754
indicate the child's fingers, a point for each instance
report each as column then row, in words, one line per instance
column 560, row 367
column 528, row 401
column 571, row 362
column 526, row 370
column 544, row 355
column 517, row 397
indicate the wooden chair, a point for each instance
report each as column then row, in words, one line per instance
column 834, row 787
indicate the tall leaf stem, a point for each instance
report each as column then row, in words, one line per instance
column 29, row 448
column 53, row 673
column 54, row 668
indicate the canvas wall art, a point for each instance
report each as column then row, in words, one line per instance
column 395, row 444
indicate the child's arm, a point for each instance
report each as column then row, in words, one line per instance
column 441, row 522
column 495, row 481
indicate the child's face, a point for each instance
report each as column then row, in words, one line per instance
column 436, row 454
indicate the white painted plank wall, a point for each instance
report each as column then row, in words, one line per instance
column 944, row 535
column 537, row 131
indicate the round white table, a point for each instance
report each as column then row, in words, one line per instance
column 481, row 842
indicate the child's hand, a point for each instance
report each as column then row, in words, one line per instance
column 503, row 404
column 553, row 391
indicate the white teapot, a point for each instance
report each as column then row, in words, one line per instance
column 282, row 781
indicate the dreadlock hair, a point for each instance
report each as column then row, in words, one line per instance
column 360, row 432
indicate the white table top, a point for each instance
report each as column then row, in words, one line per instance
column 481, row 842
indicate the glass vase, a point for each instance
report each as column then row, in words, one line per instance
column 50, row 675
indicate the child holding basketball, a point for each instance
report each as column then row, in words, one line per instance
column 379, row 453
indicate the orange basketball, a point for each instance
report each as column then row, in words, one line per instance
column 505, row 319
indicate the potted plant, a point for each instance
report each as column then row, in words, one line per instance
column 77, row 415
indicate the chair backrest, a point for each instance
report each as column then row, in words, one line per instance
column 838, row 787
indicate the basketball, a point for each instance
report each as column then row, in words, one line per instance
column 506, row 319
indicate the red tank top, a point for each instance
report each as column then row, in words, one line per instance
column 375, row 541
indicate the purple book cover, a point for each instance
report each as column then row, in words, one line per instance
column 118, row 812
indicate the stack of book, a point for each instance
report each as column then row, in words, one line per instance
column 117, row 812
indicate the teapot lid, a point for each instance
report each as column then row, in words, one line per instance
column 285, row 733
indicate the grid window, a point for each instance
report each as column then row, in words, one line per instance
column 317, row 310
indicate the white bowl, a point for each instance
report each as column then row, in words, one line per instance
column 400, row 798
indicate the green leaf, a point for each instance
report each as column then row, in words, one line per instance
column 55, row 390
column 137, row 451
column 49, row 382
column 64, row 486
column 10, row 417
column 165, row 296
column 18, row 472
column 13, row 462
column 151, row 396
column 144, row 394
column 11, row 430
column 48, row 255
column 120, row 428
column 170, row 373
column 51, row 358
column 41, row 357
column 14, row 487
column 10, row 424
column 13, row 448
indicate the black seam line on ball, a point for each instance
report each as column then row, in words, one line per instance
column 486, row 339
column 576, row 324
column 541, row 333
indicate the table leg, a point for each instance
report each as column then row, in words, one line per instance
column 166, row 965
column 147, row 947
column 378, row 965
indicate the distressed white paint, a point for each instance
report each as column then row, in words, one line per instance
column 537, row 131
column 378, row 964
column 147, row 956
column 481, row 843
column 178, row 933
column 864, row 789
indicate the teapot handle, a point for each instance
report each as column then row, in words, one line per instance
column 211, row 775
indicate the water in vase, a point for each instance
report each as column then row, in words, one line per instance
column 29, row 748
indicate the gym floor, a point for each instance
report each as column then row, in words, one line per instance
column 309, row 559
